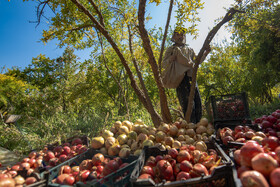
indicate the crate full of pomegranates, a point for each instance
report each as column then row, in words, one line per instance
column 92, row 168
column 205, row 164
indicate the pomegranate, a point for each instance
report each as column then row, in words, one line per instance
column 49, row 155
column 239, row 135
column 238, row 128
column 93, row 175
column 70, row 180
column 148, row 170
column 15, row 167
column 164, row 169
column 186, row 166
column 62, row 158
column 60, row 178
column 145, row 176
column 32, row 154
column 97, row 142
column 173, row 130
column 7, row 182
column 65, row 170
column 19, row 180
column 24, row 166
column 58, row 150
column 66, row 150
column 83, row 175
column 173, row 152
column 77, row 141
column 75, row 169
column 199, row 170
column 227, row 139
column 97, row 159
column 86, row 165
column 110, row 167
column 275, row 177
column 248, row 151
column 53, row 161
column 237, row 157
column 253, row 178
column 183, row 176
column 183, row 155
column 176, row 168
column 264, row 163
column 266, row 124
column 272, row 142
column 151, row 161
column 30, row 180
column 158, row 158
column 242, row 169
column 271, row 119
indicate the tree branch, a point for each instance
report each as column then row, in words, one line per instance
column 148, row 49
column 165, row 34
column 101, row 20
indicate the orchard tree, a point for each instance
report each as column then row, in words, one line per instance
column 122, row 25
column 257, row 36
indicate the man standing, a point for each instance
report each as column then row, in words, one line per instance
column 177, row 72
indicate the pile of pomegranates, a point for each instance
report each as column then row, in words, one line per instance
column 180, row 164
column 89, row 170
column 270, row 124
column 25, row 171
column 258, row 165
column 127, row 138
column 63, row 152
column 239, row 134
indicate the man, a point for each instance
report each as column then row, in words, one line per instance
column 177, row 72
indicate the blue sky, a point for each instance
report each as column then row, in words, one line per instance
column 20, row 39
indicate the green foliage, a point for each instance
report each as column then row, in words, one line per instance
column 258, row 42
column 258, row 110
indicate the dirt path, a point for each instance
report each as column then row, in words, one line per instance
column 7, row 158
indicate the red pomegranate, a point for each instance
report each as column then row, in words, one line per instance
column 199, row 170
column 237, row 157
column 151, row 161
column 253, row 178
column 110, row 167
column 97, row 159
column 183, row 155
column 183, row 176
column 264, row 163
column 186, row 166
column 173, row 152
column 248, row 151
column 148, row 170
column 275, row 177
column 164, row 169
column 242, row 169
column 145, row 176
column 272, row 142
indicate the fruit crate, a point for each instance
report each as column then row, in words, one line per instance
column 221, row 175
column 116, row 178
column 230, row 107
